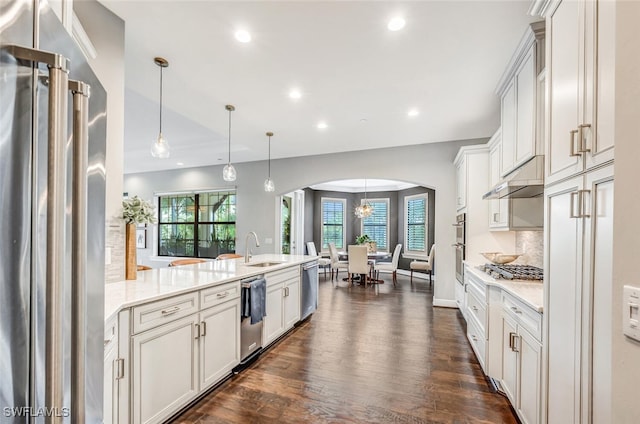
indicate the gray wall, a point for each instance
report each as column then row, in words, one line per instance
column 428, row 165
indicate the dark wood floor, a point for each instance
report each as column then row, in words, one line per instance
column 375, row 355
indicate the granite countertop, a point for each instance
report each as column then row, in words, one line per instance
column 529, row 292
column 159, row 283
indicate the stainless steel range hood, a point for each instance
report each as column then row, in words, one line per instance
column 525, row 182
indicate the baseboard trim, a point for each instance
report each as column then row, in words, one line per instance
column 445, row 303
column 418, row 275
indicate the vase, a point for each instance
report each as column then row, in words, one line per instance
column 131, row 262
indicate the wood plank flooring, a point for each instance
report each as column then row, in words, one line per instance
column 377, row 355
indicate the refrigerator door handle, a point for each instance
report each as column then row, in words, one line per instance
column 80, row 92
column 58, row 67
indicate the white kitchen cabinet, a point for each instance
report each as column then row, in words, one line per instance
column 580, row 81
column 498, row 208
column 578, row 281
column 520, row 99
column 476, row 315
column 461, row 184
column 165, row 364
column 522, row 358
column 110, row 403
column 283, row 303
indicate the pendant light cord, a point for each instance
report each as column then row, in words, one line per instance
column 229, row 161
column 269, row 157
column 160, row 99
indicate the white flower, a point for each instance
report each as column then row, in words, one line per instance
column 138, row 211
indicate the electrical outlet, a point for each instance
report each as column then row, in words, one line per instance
column 631, row 312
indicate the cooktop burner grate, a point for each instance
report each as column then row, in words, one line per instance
column 514, row 272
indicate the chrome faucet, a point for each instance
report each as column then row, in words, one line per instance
column 247, row 252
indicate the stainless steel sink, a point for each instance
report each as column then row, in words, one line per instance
column 263, row 264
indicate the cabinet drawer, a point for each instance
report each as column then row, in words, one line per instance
column 478, row 310
column 218, row 294
column 477, row 340
column 477, row 286
column 283, row 275
column 526, row 317
column 158, row 313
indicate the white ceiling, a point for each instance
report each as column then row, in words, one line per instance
column 446, row 62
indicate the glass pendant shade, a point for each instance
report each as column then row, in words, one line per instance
column 364, row 210
column 269, row 185
column 229, row 173
column 160, row 148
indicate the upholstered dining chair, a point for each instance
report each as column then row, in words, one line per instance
column 228, row 256
column 358, row 262
column 188, row 261
column 323, row 263
column 336, row 263
column 143, row 268
column 426, row 266
column 391, row 267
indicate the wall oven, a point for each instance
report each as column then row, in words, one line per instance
column 459, row 245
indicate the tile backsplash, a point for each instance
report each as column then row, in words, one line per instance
column 531, row 244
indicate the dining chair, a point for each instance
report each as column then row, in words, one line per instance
column 389, row 266
column 228, row 256
column 188, row 261
column 426, row 266
column 358, row 262
column 143, row 268
column 323, row 263
column 336, row 263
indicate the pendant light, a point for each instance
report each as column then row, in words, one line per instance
column 268, row 183
column 229, row 172
column 160, row 148
column 364, row 210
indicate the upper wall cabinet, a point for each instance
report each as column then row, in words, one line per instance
column 580, row 85
column 521, row 99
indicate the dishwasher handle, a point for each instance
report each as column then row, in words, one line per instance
column 308, row 267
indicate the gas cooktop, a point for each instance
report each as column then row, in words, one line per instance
column 513, row 272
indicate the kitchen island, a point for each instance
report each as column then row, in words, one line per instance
column 174, row 333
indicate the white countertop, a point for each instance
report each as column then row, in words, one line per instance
column 527, row 291
column 159, row 283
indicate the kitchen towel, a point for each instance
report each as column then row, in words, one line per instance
column 255, row 297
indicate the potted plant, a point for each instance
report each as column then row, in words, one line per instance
column 135, row 211
column 372, row 246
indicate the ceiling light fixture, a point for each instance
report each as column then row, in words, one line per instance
column 396, row 24
column 243, row 36
column 322, row 125
column 295, row 94
column 160, row 148
column 229, row 172
column 268, row 183
column 364, row 210
column 413, row 112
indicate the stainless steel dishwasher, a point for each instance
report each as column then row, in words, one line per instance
column 250, row 334
column 309, row 289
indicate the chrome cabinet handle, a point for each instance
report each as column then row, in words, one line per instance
column 496, row 217
column 583, row 198
column 119, row 368
column 170, row 311
column 109, row 340
column 475, row 339
column 475, row 309
column 222, row 295
column 580, row 203
column 581, row 142
column 572, row 205
column 516, row 310
column 516, row 347
column 511, row 341
column 203, row 327
column 572, row 143
column 197, row 332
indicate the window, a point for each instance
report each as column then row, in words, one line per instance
column 416, row 223
column 333, row 222
column 206, row 233
column 376, row 226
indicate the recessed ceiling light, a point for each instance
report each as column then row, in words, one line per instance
column 413, row 112
column 363, row 120
column 180, row 163
column 295, row 94
column 396, row 24
column 243, row 36
column 322, row 125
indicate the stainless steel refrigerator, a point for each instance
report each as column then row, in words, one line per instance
column 52, row 195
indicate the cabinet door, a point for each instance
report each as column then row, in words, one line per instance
column 529, row 383
column 219, row 342
column 461, row 184
column 165, row 364
column 274, row 321
column 598, row 276
column 508, row 108
column 291, row 303
column 509, row 357
column 526, row 88
column 110, row 408
column 563, row 302
column 498, row 208
column 564, row 42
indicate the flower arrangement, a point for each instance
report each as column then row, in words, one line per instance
column 138, row 211
column 362, row 239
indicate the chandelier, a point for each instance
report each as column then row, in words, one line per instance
column 364, row 210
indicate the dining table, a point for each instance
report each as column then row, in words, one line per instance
column 372, row 256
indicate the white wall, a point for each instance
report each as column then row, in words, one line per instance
column 106, row 32
column 429, row 165
column 626, row 246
